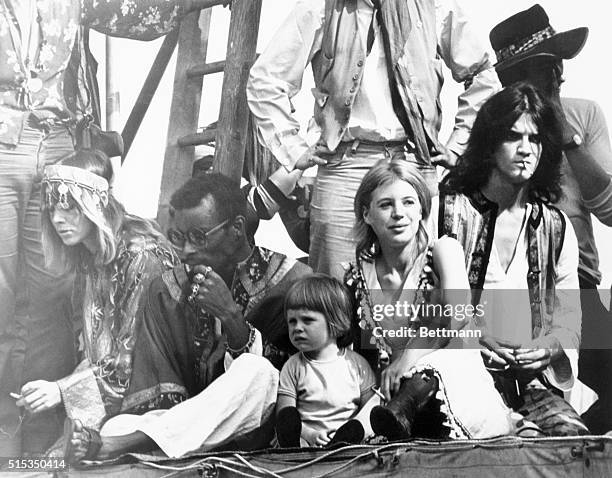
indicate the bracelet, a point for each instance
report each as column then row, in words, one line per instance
column 236, row 352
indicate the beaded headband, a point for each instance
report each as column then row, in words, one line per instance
column 72, row 179
column 528, row 34
column 524, row 44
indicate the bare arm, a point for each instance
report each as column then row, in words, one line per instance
column 592, row 178
column 455, row 290
column 590, row 159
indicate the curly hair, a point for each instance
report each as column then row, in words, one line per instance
column 226, row 194
column 493, row 122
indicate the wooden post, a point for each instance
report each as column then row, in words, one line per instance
column 233, row 114
column 113, row 104
column 185, row 108
column 148, row 91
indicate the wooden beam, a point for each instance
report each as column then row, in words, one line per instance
column 233, row 114
column 113, row 102
column 206, row 69
column 184, row 109
column 202, row 4
column 148, row 90
column 205, row 137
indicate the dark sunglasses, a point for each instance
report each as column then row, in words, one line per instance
column 196, row 236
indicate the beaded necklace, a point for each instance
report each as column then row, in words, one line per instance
column 422, row 296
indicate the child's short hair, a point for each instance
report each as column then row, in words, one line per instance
column 324, row 294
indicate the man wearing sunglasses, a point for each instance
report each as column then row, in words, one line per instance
column 198, row 378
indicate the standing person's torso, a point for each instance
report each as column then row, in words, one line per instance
column 348, row 81
column 580, row 114
column 36, row 40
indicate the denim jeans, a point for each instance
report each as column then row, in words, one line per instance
column 35, row 333
column 332, row 241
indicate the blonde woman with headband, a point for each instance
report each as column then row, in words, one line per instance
column 114, row 254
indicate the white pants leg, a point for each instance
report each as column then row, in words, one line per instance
column 237, row 402
column 472, row 397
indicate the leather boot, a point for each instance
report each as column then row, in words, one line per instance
column 351, row 432
column 395, row 419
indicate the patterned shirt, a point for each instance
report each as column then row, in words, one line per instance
column 36, row 42
column 106, row 301
column 181, row 348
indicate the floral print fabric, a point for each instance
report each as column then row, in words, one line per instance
column 109, row 299
column 36, row 41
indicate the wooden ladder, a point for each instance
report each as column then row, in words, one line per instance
column 230, row 134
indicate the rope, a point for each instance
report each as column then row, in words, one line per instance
column 212, row 463
column 239, row 462
column 346, row 464
column 320, row 458
column 238, row 472
column 217, row 462
column 255, row 468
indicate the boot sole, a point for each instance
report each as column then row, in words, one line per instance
column 385, row 423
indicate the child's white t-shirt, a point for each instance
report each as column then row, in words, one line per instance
column 327, row 393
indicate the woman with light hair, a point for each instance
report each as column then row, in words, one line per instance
column 412, row 300
column 115, row 255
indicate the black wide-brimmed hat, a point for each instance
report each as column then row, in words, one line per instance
column 528, row 34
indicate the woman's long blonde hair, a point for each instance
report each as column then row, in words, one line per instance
column 382, row 173
column 109, row 220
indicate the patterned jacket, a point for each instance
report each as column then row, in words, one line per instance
column 33, row 66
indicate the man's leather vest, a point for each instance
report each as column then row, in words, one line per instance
column 417, row 67
column 471, row 220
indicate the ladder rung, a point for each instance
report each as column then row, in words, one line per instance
column 202, row 4
column 205, row 69
column 205, row 137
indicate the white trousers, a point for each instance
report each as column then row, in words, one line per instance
column 237, row 402
column 470, row 393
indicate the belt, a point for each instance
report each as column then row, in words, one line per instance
column 381, row 144
column 354, row 145
column 388, row 147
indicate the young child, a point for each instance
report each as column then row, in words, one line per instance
column 325, row 384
